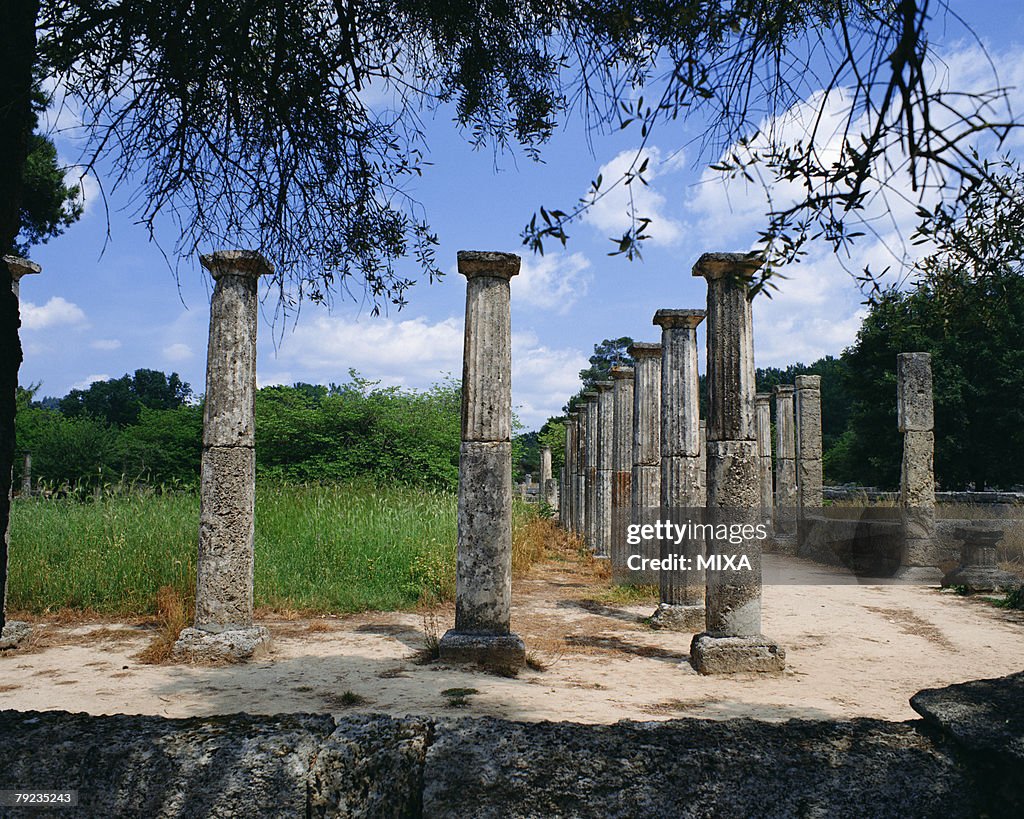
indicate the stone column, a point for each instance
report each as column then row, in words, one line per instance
column 732, row 640
column 26, row 475
column 915, row 411
column 808, row 453
column 547, row 491
column 12, row 632
column 603, row 494
column 581, row 471
column 483, row 594
column 702, row 464
column 590, row 478
column 645, row 495
column 786, row 498
column 681, row 605
column 622, row 468
column 224, row 629
column 979, row 570
column 763, row 409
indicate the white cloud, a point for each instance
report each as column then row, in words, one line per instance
column 106, row 344
column 89, row 379
column 552, row 282
column 57, row 312
column 178, row 352
column 542, row 378
column 611, row 213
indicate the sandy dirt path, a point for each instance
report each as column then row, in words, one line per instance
column 853, row 651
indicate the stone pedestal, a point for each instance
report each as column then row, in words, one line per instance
column 622, row 469
column 645, row 482
column 979, row 569
column 732, row 641
column 786, row 497
column 681, row 601
column 484, row 566
column 12, row 632
column 224, row 629
column 915, row 414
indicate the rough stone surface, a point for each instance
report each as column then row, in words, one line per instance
column 603, row 489
column 763, row 408
column 18, row 267
column 232, row 645
column 590, row 464
column 689, row 619
column 680, row 390
column 733, row 475
column 917, row 475
column 547, row 495
column 14, row 634
column 646, row 403
column 484, row 565
column 500, row 652
column 808, row 443
column 622, row 469
column 979, row 570
column 581, row 472
column 490, row 769
column 224, row 579
column 487, row 356
column 733, row 655
column 914, row 405
column 241, row 765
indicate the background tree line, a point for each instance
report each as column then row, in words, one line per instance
column 147, row 427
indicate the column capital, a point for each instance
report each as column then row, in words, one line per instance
column 473, row 263
column 674, row 319
column 21, row 267
column 645, row 349
column 784, row 389
column 722, row 265
column 590, row 395
column 621, row 372
column 763, row 398
column 236, row 263
column 604, row 386
column 808, row 382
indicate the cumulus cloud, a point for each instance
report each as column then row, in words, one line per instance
column 57, row 312
column 89, row 379
column 106, row 344
column 552, row 282
column 177, row 352
column 611, row 213
column 542, row 378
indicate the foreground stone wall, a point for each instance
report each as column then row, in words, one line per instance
column 958, row 762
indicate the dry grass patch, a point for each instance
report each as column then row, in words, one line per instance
column 172, row 615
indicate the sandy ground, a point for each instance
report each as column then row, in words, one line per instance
column 853, row 651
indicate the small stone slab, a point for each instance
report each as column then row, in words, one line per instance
column 678, row 618
column 499, row 652
column 982, row 579
column 732, row 655
column 195, row 645
column 14, row 633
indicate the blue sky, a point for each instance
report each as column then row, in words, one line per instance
column 105, row 306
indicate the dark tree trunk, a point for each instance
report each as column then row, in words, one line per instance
column 18, row 47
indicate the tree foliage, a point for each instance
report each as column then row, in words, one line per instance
column 119, row 401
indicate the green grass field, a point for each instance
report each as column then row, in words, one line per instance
column 318, row 549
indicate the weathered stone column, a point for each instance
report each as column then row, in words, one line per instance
column 645, row 494
column 12, row 632
column 732, row 640
column 915, row 411
column 566, row 495
column 224, row 629
column 702, row 464
column 622, row 468
column 763, row 409
column 547, row 493
column 590, row 511
column 581, row 471
column 681, row 605
column 808, row 453
column 786, row 497
column 483, row 594
column 26, row 475
column 603, row 494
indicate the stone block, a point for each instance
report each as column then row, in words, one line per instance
column 232, row 645
column 732, row 655
column 733, row 475
column 688, row 619
column 14, row 633
column 914, row 403
column 504, row 653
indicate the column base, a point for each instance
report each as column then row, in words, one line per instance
column 919, row 575
column 233, row 645
column 678, row 618
column 505, row 653
column 731, row 655
column 982, row 579
column 14, row 633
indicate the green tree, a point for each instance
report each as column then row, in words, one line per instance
column 119, row 401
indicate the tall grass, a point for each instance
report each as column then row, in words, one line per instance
column 318, row 548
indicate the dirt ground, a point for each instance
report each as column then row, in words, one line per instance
column 852, row 651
